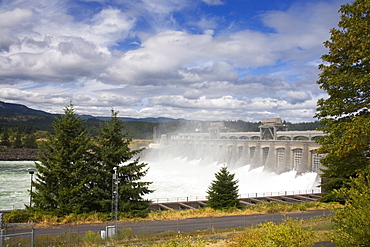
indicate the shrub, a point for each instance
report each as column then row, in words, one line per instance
column 18, row 216
column 289, row 233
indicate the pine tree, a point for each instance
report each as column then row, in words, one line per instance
column 113, row 151
column 30, row 141
column 5, row 137
column 345, row 113
column 223, row 192
column 65, row 171
column 18, row 141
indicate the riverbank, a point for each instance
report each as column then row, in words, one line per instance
column 19, row 154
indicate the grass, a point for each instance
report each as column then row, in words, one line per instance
column 43, row 220
column 259, row 208
column 321, row 226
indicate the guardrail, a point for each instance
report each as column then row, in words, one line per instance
column 248, row 195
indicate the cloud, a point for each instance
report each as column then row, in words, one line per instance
column 14, row 18
column 213, row 2
column 297, row 96
column 175, row 55
column 176, row 58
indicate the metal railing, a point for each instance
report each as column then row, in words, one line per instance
column 248, row 195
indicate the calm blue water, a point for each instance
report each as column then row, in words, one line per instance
column 15, row 181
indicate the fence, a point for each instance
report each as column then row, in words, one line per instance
column 249, row 195
column 140, row 232
column 21, row 239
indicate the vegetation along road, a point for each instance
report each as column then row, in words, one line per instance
column 186, row 225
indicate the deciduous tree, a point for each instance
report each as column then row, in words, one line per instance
column 352, row 222
column 345, row 76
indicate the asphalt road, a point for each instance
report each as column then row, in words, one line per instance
column 186, row 225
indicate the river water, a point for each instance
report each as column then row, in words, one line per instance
column 15, row 181
column 174, row 179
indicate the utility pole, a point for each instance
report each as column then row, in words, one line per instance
column 115, row 199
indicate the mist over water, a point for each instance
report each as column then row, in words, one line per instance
column 174, row 179
column 178, row 179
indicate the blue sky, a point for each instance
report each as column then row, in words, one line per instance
column 191, row 59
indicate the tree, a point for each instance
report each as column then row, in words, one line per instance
column 345, row 77
column 113, row 151
column 66, row 171
column 18, row 140
column 5, row 137
column 30, row 141
column 351, row 223
column 223, row 192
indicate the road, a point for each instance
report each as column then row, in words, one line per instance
column 186, row 225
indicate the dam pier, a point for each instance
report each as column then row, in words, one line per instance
column 274, row 148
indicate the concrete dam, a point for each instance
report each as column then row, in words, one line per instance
column 274, row 148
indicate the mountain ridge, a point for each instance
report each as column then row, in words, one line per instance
column 13, row 110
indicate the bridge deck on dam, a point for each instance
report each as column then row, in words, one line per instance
column 289, row 199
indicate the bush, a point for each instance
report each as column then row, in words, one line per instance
column 18, row 216
column 288, row 233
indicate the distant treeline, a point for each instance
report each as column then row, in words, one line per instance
column 18, row 122
column 140, row 129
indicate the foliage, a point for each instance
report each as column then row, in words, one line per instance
column 289, row 233
column 181, row 241
column 19, row 118
column 113, row 151
column 5, row 138
column 352, row 223
column 66, row 173
column 75, row 173
column 223, row 192
column 17, row 216
column 345, row 77
column 18, row 141
column 30, row 141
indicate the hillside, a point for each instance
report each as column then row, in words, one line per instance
column 20, row 118
column 23, row 119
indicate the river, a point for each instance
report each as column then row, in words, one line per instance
column 174, row 179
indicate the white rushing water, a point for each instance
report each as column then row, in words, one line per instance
column 179, row 179
column 175, row 179
column 15, row 181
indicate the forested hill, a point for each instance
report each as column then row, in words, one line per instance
column 17, row 118
column 20, row 118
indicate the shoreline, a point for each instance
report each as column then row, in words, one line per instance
column 19, row 154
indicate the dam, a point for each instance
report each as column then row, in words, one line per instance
column 274, row 148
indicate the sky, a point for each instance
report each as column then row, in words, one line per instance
column 191, row 59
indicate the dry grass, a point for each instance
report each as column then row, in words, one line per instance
column 260, row 208
column 136, row 143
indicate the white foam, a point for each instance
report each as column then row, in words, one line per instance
column 178, row 178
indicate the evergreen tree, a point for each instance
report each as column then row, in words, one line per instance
column 223, row 192
column 345, row 77
column 113, row 151
column 30, row 141
column 18, row 140
column 5, row 137
column 65, row 171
